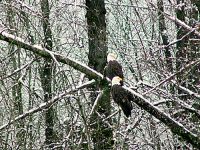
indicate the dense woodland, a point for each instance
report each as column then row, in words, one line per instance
column 52, row 57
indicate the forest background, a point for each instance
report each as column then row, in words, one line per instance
column 52, row 56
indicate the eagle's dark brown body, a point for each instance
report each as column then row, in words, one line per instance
column 114, row 72
column 123, row 98
column 113, row 69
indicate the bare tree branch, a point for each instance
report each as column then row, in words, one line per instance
column 179, row 22
column 178, row 40
column 175, row 126
column 186, row 90
column 191, row 64
column 45, row 53
column 17, row 70
column 47, row 104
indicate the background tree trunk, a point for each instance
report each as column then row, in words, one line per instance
column 164, row 36
column 101, row 132
column 17, row 88
column 39, row 113
column 46, row 76
column 181, row 54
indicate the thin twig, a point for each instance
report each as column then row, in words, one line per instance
column 48, row 104
column 19, row 69
column 173, row 75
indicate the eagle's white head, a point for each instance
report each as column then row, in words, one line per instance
column 111, row 56
column 116, row 80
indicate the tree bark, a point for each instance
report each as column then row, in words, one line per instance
column 163, row 33
column 139, row 100
column 46, row 76
column 182, row 51
column 101, row 133
column 17, row 88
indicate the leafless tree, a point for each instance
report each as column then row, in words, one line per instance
column 52, row 55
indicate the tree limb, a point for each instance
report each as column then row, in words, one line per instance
column 187, row 66
column 179, row 22
column 175, row 126
column 45, row 53
column 17, row 70
column 46, row 105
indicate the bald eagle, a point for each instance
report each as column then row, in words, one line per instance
column 113, row 67
column 121, row 96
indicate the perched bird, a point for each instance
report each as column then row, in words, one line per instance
column 121, row 96
column 113, row 67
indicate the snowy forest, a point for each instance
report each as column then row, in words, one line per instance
column 54, row 96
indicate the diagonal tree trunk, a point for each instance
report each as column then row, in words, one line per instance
column 101, row 133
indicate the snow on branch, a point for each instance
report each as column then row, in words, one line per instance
column 47, row 104
column 18, row 69
column 169, row 78
column 179, row 22
column 48, row 54
column 175, row 126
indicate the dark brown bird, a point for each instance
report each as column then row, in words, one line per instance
column 121, row 96
column 113, row 67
